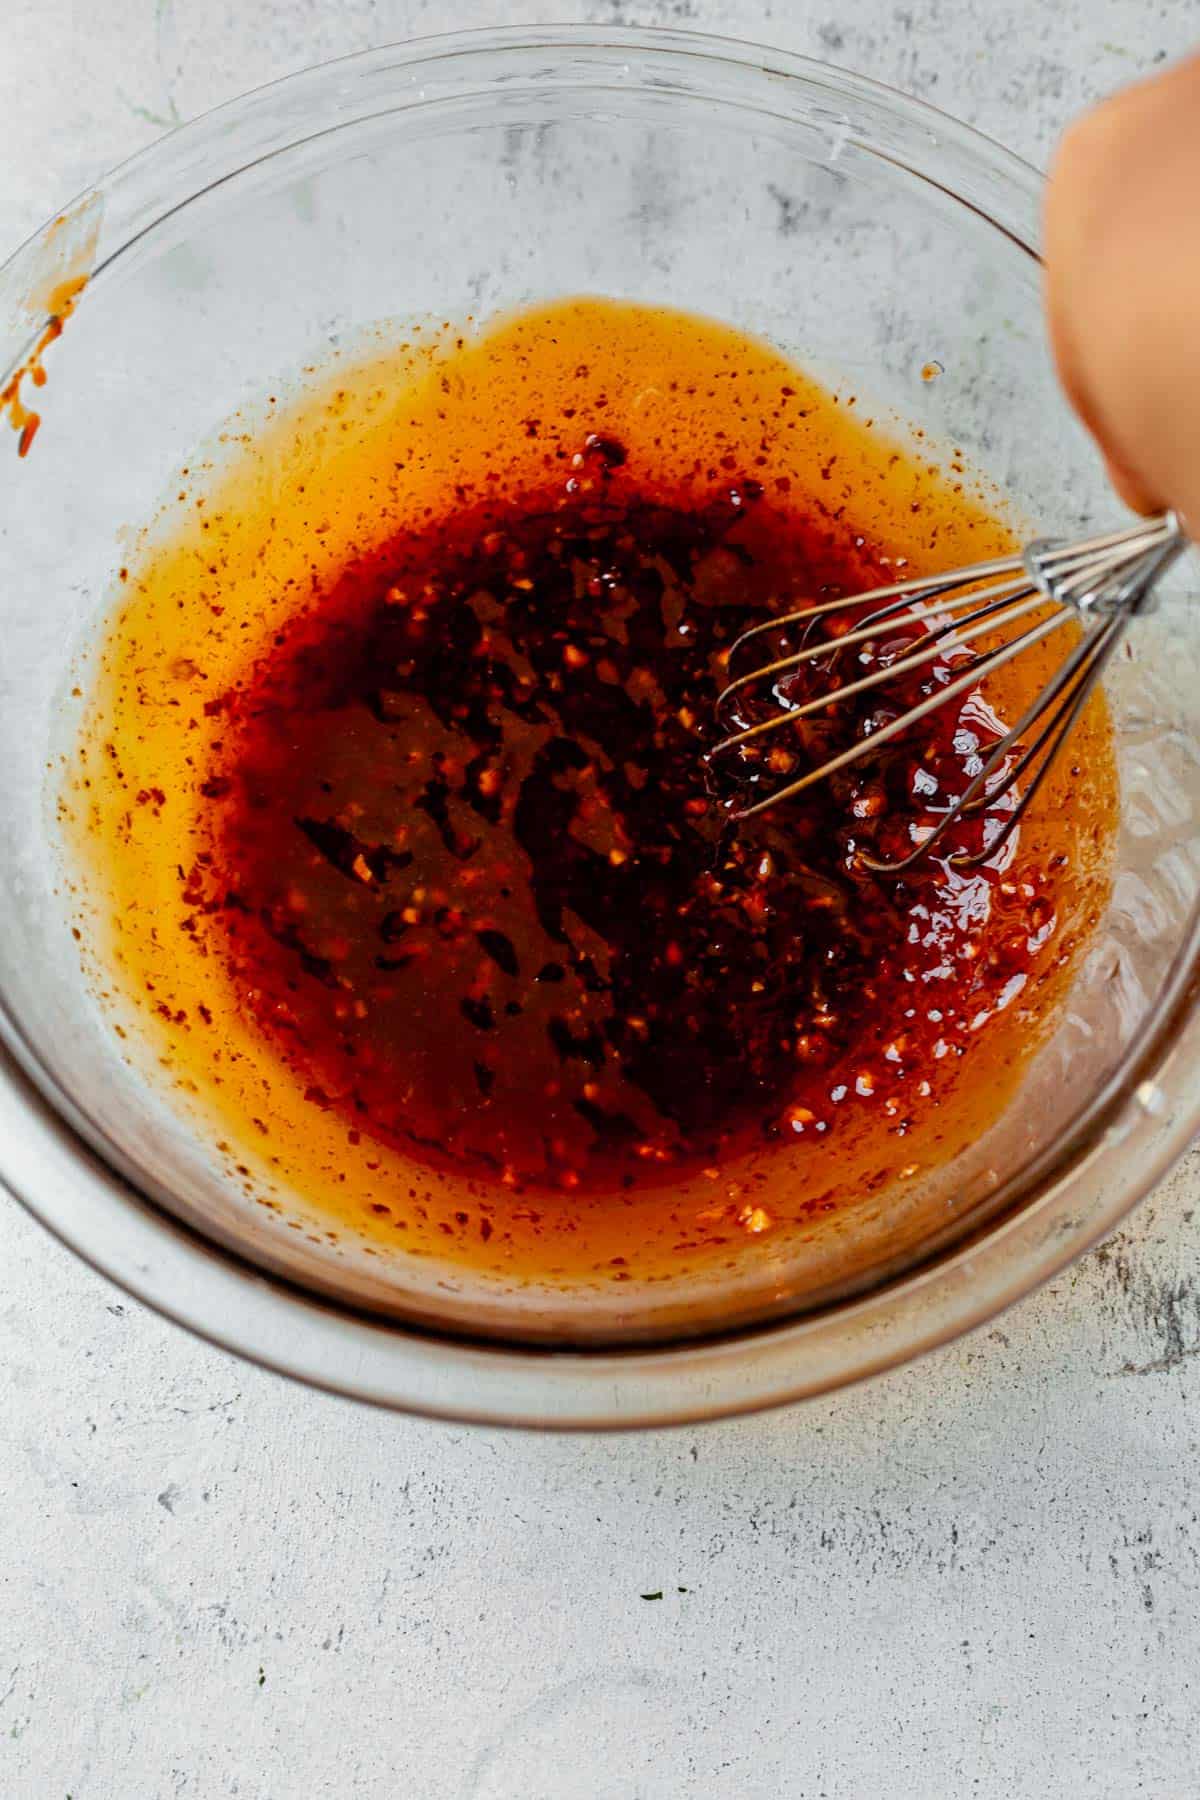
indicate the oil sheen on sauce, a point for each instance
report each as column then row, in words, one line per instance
column 402, row 851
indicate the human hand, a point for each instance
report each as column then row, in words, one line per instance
column 1122, row 246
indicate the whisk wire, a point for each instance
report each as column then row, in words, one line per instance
column 1080, row 672
column 1072, row 706
column 898, row 593
column 1101, row 582
column 864, row 632
column 864, row 746
column 927, row 651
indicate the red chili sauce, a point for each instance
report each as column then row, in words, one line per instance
column 472, row 876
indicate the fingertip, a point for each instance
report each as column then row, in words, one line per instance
column 1131, row 488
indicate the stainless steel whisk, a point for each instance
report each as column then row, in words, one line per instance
column 1100, row 582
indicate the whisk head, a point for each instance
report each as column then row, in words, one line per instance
column 924, row 630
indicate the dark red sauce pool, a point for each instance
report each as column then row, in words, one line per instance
column 474, row 881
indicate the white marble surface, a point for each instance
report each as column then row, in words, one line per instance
column 980, row 1576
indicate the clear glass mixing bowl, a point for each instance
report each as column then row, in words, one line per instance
column 863, row 233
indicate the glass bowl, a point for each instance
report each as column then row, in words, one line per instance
column 859, row 231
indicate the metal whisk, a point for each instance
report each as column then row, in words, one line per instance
column 1099, row 582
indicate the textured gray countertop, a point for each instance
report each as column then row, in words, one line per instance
column 979, row 1576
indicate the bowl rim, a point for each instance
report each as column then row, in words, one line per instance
column 51, row 1159
column 433, row 48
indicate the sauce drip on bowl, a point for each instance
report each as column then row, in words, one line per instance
column 402, row 848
